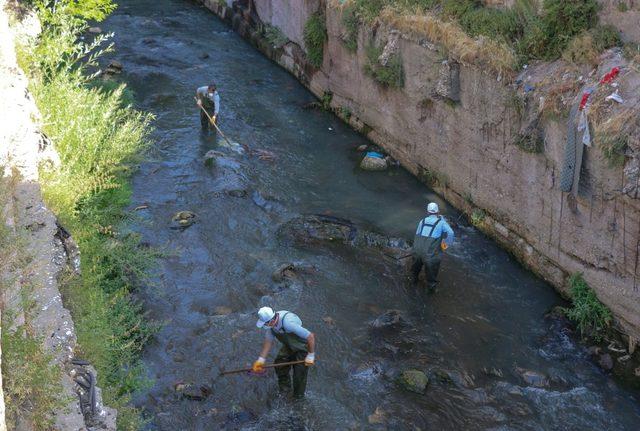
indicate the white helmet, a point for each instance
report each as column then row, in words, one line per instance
column 264, row 315
column 432, row 208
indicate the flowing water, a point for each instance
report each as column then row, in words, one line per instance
column 483, row 327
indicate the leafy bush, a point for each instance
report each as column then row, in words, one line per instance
column 562, row 20
column 389, row 75
column 582, row 50
column 95, row 10
column 587, row 312
column 315, row 35
column 477, row 217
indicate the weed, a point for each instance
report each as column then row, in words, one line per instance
column 530, row 143
column 31, row 380
column 622, row 6
column 587, row 312
column 325, row 101
column 605, row 37
column 582, row 50
column 613, row 148
column 477, row 217
column 468, row 198
column 99, row 138
column 315, row 35
column 389, row 75
column 275, row 36
column 351, row 25
column 345, row 113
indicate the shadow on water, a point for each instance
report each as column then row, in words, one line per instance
column 473, row 338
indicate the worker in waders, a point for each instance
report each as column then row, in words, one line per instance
column 433, row 237
column 297, row 344
column 208, row 100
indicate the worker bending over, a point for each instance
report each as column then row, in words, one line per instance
column 433, row 236
column 208, row 100
column 297, row 344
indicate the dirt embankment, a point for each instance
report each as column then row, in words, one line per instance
column 501, row 147
column 31, row 295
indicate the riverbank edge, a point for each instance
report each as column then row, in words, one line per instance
column 292, row 57
column 41, row 252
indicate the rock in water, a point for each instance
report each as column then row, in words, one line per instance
column 378, row 417
column 413, row 381
column 371, row 163
column 283, row 272
column 390, row 319
column 534, row 378
column 606, row 362
column 183, row 219
column 95, row 30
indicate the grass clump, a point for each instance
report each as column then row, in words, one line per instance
column 590, row 315
column 351, row 24
column 31, row 380
column 477, row 217
column 99, row 137
column 315, row 35
column 275, row 36
column 530, row 143
column 388, row 75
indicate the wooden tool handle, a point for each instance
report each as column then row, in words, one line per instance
column 246, row 370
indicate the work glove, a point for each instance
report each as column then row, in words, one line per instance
column 213, row 119
column 310, row 359
column 258, row 365
column 444, row 246
column 199, row 102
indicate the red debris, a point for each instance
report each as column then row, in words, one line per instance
column 585, row 98
column 610, row 76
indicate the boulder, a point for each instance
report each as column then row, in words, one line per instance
column 283, row 272
column 237, row 193
column 222, row 310
column 210, row 157
column 183, row 219
column 371, row 163
column 390, row 319
column 193, row 392
column 413, row 381
column 362, row 148
column 114, row 68
column 534, row 378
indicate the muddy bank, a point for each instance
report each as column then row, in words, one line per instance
column 461, row 131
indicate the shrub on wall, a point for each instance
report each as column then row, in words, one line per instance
column 315, row 35
column 389, row 75
column 590, row 315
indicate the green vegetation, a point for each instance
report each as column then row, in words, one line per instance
column 530, row 143
column 31, row 383
column 622, row 6
column 275, row 36
column 351, row 23
column 325, row 101
column 99, row 138
column 315, row 35
column 531, row 35
column 345, row 113
column 613, row 148
column 587, row 312
column 477, row 217
column 389, row 75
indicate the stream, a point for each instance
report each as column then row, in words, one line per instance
column 475, row 338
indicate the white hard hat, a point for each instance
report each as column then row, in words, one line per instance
column 264, row 315
column 432, row 208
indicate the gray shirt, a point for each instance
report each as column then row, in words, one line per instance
column 203, row 93
column 291, row 323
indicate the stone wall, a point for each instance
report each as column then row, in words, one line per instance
column 462, row 142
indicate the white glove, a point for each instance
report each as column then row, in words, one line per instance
column 310, row 359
